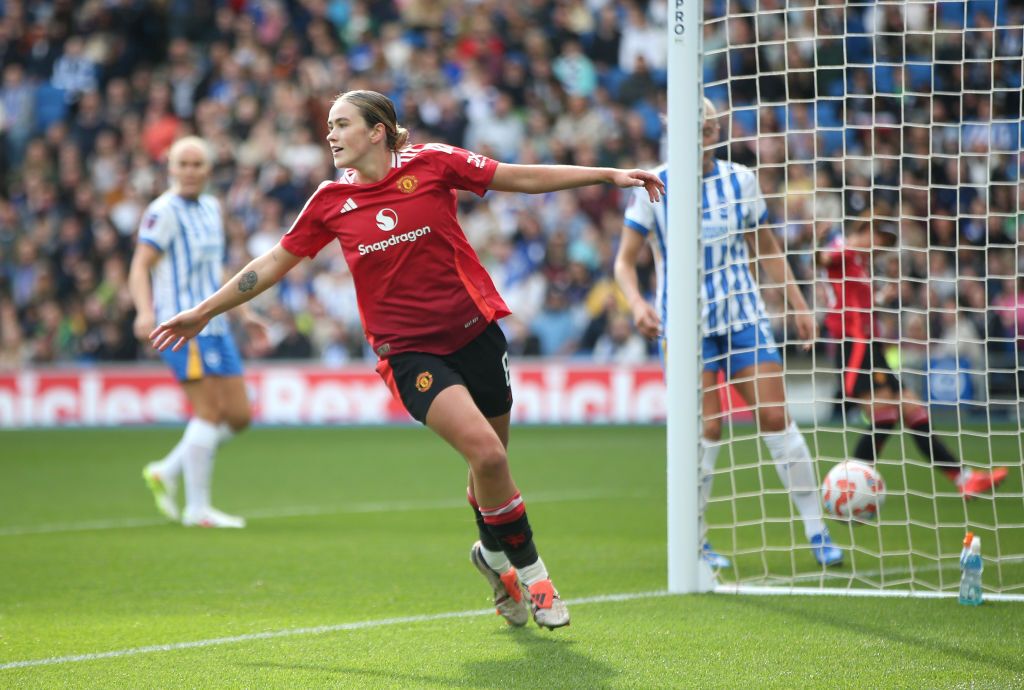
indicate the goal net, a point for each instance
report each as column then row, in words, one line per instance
column 897, row 125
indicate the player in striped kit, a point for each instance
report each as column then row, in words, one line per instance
column 178, row 262
column 736, row 338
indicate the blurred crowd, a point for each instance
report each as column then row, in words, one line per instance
column 840, row 107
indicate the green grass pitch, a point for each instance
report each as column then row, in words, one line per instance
column 354, row 572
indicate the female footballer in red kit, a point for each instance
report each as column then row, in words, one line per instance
column 429, row 310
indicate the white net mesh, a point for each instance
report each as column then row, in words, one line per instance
column 907, row 113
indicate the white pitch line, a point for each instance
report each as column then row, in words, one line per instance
column 125, row 523
column 302, row 511
column 879, row 572
column 318, row 630
column 755, row 590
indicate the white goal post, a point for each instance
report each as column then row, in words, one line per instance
column 686, row 572
column 908, row 113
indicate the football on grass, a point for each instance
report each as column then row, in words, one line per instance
column 853, row 490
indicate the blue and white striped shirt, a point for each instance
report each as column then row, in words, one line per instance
column 190, row 234
column 732, row 205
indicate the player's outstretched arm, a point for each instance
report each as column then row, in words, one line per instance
column 536, row 179
column 257, row 276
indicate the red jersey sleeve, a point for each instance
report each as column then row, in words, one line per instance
column 462, row 169
column 308, row 235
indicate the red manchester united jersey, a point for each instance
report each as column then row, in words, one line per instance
column 849, row 276
column 419, row 284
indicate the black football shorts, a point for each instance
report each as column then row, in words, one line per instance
column 864, row 369
column 481, row 366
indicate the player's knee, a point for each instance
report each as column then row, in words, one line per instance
column 238, row 420
column 712, row 430
column 772, row 419
column 487, row 457
column 235, row 413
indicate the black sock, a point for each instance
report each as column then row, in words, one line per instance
column 486, row 538
column 511, row 528
column 870, row 445
column 517, row 541
column 934, row 449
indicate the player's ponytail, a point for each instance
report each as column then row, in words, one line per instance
column 378, row 109
column 401, row 138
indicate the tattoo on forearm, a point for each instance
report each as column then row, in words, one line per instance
column 247, row 281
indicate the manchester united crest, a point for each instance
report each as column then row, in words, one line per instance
column 407, row 184
column 424, row 381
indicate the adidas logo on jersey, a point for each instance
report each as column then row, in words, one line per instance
column 349, row 205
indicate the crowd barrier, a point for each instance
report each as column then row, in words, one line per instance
column 545, row 393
